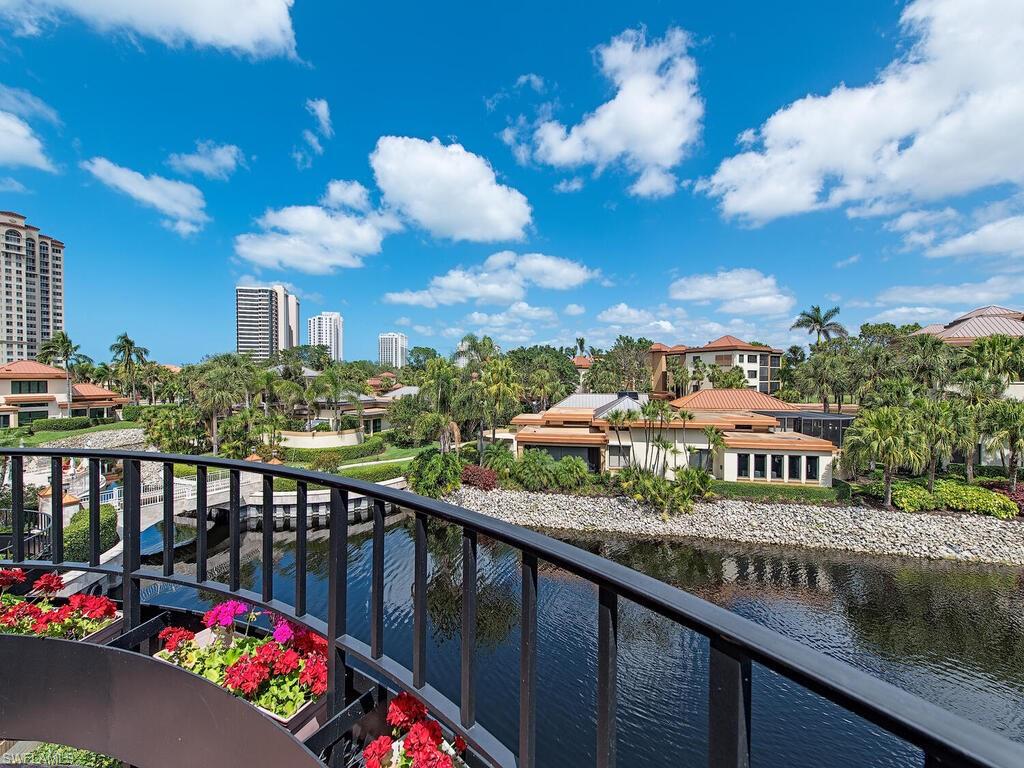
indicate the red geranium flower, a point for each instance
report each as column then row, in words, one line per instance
column 307, row 642
column 93, row 606
column 11, row 576
column 19, row 612
column 377, row 750
column 287, row 662
column 459, row 744
column 424, row 736
column 49, row 584
column 314, row 674
column 405, row 710
column 174, row 636
column 246, row 675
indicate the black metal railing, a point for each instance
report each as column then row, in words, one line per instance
column 944, row 738
column 36, row 533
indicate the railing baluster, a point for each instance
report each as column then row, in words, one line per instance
column 168, row 518
column 728, row 706
column 607, row 673
column 56, row 510
column 377, row 583
column 337, row 597
column 131, row 560
column 467, row 708
column 94, row 512
column 300, row 548
column 419, row 607
column 201, row 521
column 18, row 506
column 234, row 532
column 268, row 538
column 528, row 666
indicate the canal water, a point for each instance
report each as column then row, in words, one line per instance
column 950, row 633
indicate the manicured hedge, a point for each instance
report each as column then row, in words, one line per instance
column 375, row 473
column 808, row 494
column 328, row 458
column 913, row 496
column 76, row 533
column 61, row 425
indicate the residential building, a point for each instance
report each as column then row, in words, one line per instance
column 266, row 320
column 393, row 349
column 327, row 330
column 754, row 448
column 977, row 324
column 760, row 364
column 31, row 390
column 33, row 288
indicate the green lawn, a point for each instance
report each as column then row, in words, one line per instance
column 393, row 452
column 39, row 438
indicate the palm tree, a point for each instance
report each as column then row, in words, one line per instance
column 929, row 360
column 545, row 387
column 128, row 357
column 888, row 436
column 935, row 423
column 102, row 374
column 716, row 443
column 976, row 390
column 60, row 349
column 217, row 392
column 618, row 420
column 581, row 345
column 502, row 390
column 264, row 381
column 679, row 375
column 822, row 324
column 151, row 375
column 1004, row 421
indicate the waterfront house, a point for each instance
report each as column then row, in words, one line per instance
column 30, row 390
column 756, row 448
column 760, row 364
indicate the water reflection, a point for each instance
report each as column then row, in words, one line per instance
column 951, row 633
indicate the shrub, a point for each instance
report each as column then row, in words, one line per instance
column 76, row 533
column 693, row 482
column 61, row 425
column 970, row 498
column 469, row 454
column 653, row 490
column 908, row 496
column 571, row 473
column 499, row 457
column 435, row 474
column 322, row 426
column 327, row 459
column 479, row 477
column 377, row 472
column 131, row 412
column 806, row 494
column 981, row 470
column 535, row 471
column 1017, row 496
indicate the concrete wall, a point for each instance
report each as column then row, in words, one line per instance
column 730, row 463
column 320, row 439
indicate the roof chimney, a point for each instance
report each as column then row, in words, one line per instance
column 630, row 395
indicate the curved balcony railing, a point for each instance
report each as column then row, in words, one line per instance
column 944, row 738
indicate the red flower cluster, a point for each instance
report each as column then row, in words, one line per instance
column 279, row 660
column 423, row 738
column 378, row 749
column 314, row 674
column 246, row 675
column 11, row 576
column 405, row 710
column 93, row 606
column 20, row 612
column 172, row 637
column 306, row 642
column 49, row 584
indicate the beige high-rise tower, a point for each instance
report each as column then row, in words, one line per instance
column 266, row 320
column 32, row 307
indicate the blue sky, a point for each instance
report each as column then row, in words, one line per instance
column 535, row 171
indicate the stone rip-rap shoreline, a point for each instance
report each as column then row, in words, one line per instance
column 972, row 538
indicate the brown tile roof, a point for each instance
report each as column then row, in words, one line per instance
column 87, row 391
column 561, row 436
column 29, row 398
column 722, row 342
column 789, row 441
column 730, row 400
column 582, row 361
column 31, row 369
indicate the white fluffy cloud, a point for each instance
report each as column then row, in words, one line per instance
column 650, row 123
column 346, row 194
column 515, row 325
column 448, row 190
column 903, row 315
column 991, row 291
column 183, row 204
column 943, row 119
column 212, row 160
column 575, row 184
column 1003, row 237
column 256, row 28
column 849, row 261
column 19, row 145
column 573, row 310
column 502, row 279
column 24, row 104
column 321, row 110
column 315, row 239
column 741, row 291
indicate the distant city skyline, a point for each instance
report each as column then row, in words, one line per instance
column 679, row 172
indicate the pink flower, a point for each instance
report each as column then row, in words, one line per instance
column 223, row 615
column 283, row 632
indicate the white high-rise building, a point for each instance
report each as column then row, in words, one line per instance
column 33, row 288
column 327, row 329
column 266, row 320
column 393, row 349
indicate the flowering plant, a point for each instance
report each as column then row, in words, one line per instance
column 79, row 617
column 415, row 742
column 280, row 673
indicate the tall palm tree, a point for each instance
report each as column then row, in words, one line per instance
column 263, row 382
column 618, row 420
column 975, row 389
column 503, row 391
column 60, row 349
column 545, row 387
column 716, row 443
column 581, row 345
column 128, row 357
column 102, row 374
column 1004, row 420
column 929, row 360
column 935, row 423
column 217, row 391
column 888, row 436
column 821, row 324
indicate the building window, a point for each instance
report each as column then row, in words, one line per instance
column 618, row 456
column 760, row 461
column 812, row 467
column 776, row 467
column 751, row 374
column 27, row 417
column 794, row 467
column 5, row 420
column 699, row 458
column 743, row 465
column 28, row 387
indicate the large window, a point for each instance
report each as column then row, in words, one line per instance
column 794, row 467
column 812, row 467
column 776, row 467
column 760, row 460
column 743, row 465
column 699, row 458
column 28, row 387
column 618, row 456
column 27, row 417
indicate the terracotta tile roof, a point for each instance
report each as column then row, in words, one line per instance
column 29, row 398
column 87, row 391
column 561, row 436
column 789, row 441
column 730, row 400
column 20, row 369
column 722, row 342
column 582, row 361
